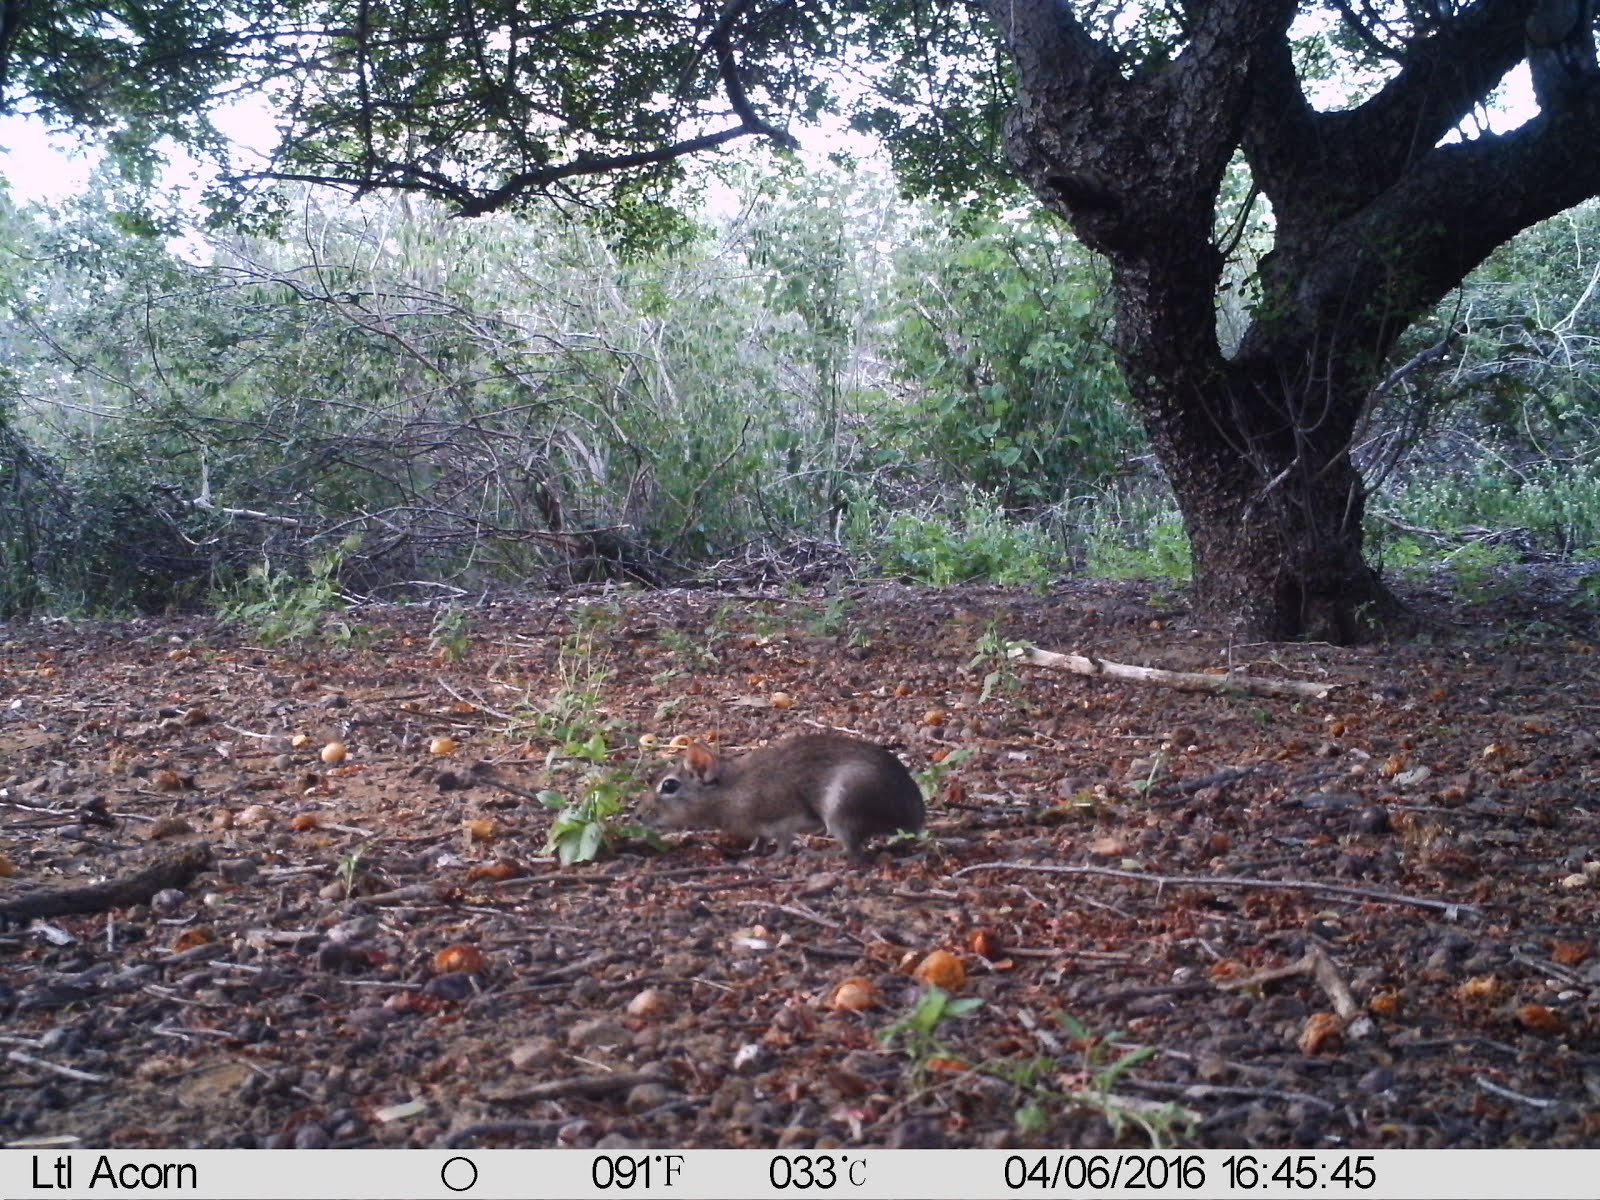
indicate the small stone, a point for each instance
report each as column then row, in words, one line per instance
column 646, row 1096
column 576, row 1133
column 822, row 883
column 534, row 1054
column 168, row 901
column 652, row 1002
column 1374, row 820
column 1212, row 1068
column 238, row 870
column 601, row 1032
column 346, row 932
column 370, row 1018
column 455, row 986
column 1379, row 1079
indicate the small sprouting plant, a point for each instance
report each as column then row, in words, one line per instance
column 1587, row 593
column 698, row 648
column 992, row 656
column 667, row 709
column 693, row 649
column 1103, row 1065
column 766, row 623
column 932, row 777
column 1158, row 550
column 979, row 543
column 831, row 620
column 573, row 714
column 351, row 870
column 282, row 609
column 1484, row 571
column 595, row 824
column 918, row 1031
column 1045, row 1083
column 590, row 620
column 1158, row 764
column 449, row 637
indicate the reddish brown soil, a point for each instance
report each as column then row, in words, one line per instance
column 1448, row 994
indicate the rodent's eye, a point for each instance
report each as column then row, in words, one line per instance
column 668, row 786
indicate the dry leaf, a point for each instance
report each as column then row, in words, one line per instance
column 985, row 943
column 497, row 871
column 941, row 969
column 1540, row 1019
column 1571, row 954
column 1386, row 1004
column 443, row 745
column 1322, row 1030
column 855, row 995
column 1482, row 989
column 462, row 958
column 200, row 935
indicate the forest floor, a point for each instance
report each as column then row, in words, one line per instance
column 1366, row 920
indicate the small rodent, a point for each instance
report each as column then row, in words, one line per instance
column 850, row 788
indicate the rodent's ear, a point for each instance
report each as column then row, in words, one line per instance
column 701, row 763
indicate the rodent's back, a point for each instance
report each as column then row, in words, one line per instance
column 851, row 788
column 863, row 789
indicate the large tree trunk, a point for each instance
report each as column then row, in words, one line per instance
column 1274, row 518
column 1379, row 212
column 1257, row 449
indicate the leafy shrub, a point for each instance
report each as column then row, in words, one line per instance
column 1554, row 507
column 1012, row 387
column 1135, row 533
column 282, row 609
column 593, row 825
column 976, row 544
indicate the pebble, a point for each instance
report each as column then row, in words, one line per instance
column 599, row 1032
column 534, row 1054
column 646, row 1096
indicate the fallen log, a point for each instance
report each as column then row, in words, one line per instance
column 173, row 869
column 1187, row 681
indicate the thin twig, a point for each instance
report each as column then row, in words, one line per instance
column 1449, row 907
column 805, row 914
column 1494, row 1088
column 22, row 1056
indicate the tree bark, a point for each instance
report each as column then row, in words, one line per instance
column 1378, row 214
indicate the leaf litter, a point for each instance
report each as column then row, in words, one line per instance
column 1138, row 915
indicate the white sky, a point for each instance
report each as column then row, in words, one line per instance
column 36, row 165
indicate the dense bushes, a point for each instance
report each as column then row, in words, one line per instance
column 434, row 403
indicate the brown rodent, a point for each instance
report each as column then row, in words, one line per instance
column 852, row 789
